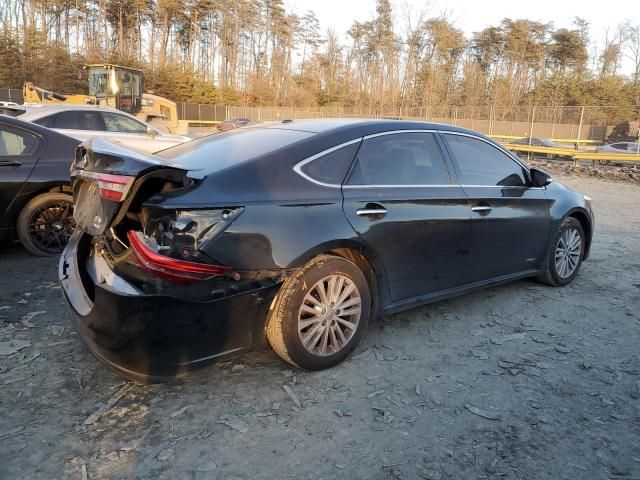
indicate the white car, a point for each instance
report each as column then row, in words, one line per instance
column 87, row 121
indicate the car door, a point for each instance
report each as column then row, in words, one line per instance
column 133, row 133
column 79, row 124
column 510, row 223
column 18, row 155
column 401, row 200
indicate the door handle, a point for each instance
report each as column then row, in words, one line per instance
column 481, row 208
column 371, row 209
column 10, row 163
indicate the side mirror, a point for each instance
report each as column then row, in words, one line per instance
column 151, row 132
column 540, row 178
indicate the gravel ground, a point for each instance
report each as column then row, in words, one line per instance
column 521, row 381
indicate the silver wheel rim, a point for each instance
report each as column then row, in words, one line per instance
column 568, row 252
column 329, row 315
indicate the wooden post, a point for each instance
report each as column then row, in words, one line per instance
column 533, row 115
column 575, row 162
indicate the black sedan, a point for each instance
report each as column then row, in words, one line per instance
column 300, row 233
column 35, row 190
column 540, row 142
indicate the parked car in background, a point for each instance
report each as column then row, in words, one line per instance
column 618, row 147
column 304, row 230
column 86, row 121
column 539, row 142
column 35, row 195
column 231, row 123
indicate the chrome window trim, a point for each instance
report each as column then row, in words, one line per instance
column 298, row 166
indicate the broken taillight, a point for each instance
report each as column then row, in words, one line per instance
column 114, row 187
column 170, row 268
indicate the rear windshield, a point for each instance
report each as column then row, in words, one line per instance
column 221, row 150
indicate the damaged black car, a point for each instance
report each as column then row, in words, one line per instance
column 296, row 234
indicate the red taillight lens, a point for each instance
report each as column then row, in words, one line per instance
column 113, row 187
column 170, row 268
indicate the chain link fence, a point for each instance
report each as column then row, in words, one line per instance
column 579, row 123
column 11, row 95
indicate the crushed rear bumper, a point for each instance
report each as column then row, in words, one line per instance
column 158, row 337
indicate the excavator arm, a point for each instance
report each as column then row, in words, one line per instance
column 33, row 94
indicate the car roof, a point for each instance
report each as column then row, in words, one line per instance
column 32, row 127
column 362, row 126
column 34, row 111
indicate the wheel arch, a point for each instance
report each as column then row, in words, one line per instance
column 363, row 257
column 583, row 217
column 28, row 193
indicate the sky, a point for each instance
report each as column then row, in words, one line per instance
column 474, row 15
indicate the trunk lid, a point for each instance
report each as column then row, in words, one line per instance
column 107, row 179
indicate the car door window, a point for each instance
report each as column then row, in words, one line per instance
column 123, row 124
column 44, row 121
column 481, row 163
column 14, row 142
column 400, row 159
column 78, row 120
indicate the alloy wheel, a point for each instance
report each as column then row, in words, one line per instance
column 568, row 252
column 329, row 315
column 51, row 226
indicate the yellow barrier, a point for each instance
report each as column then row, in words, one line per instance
column 557, row 140
column 575, row 155
column 536, row 149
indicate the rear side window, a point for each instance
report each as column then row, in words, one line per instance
column 15, row 142
column 122, row 123
column 400, row 159
column 78, row 120
column 331, row 167
column 44, row 121
column 483, row 164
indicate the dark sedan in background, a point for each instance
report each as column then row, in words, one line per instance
column 236, row 122
column 540, row 142
column 300, row 233
column 35, row 192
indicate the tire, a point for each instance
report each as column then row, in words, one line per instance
column 553, row 274
column 604, row 162
column 45, row 224
column 283, row 331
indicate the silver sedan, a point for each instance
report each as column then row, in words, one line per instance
column 87, row 121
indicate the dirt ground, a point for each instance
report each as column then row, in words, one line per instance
column 522, row 381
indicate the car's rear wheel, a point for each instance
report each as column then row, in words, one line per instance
column 565, row 255
column 604, row 162
column 46, row 223
column 321, row 313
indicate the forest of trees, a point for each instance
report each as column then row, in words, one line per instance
column 255, row 52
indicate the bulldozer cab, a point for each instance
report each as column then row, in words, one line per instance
column 116, row 86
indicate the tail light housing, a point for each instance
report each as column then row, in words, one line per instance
column 114, row 187
column 170, row 268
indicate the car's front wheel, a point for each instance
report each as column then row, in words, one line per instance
column 46, row 223
column 565, row 255
column 321, row 313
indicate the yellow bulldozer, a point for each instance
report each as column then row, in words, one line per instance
column 118, row 87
